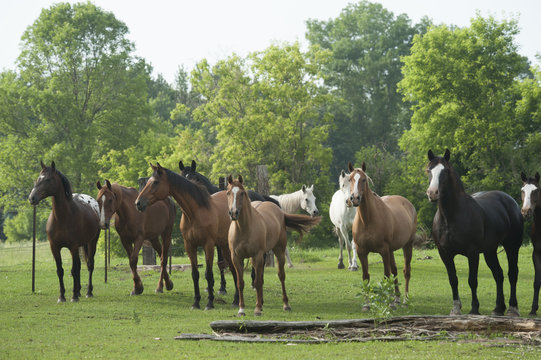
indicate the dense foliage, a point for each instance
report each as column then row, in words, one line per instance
column 371, row 87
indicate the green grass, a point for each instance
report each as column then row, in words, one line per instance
column 115, row 325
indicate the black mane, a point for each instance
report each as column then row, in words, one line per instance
column 67, row 185
column 197, row 191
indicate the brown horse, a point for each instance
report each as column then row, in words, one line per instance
column 258, row 227
column 73, row 222
column 204, row 221
column 134, row 227
column 381, row 225
column 531, row 205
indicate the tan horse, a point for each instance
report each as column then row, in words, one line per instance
column 258, row 227
column 204, row 221
column 381, row 225
column 134, row 227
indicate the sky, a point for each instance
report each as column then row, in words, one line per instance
column 173, row 33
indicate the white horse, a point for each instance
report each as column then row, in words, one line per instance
column 342, row 216
column 291, row 203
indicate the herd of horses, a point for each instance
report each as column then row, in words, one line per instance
column 243, row 224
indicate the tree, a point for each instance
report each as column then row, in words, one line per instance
column 367, row 42
column 462, row 83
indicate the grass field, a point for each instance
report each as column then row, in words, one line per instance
column 115, row 325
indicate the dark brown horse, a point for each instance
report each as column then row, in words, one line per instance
column 73, row 223
column 258, row 227
column 381, row 225
column 134, row 227
column 204, row 221
column 470, row 225
column 531, row 198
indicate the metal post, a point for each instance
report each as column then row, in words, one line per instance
column 105, row 255
column 109, row 248
column 34, row 252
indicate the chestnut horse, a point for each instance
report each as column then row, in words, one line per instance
column 381, row 225
column 134, row 227
column 73, row 223
column 256, row 228
column 531, row 197
column 470, row 225
column 204, row 222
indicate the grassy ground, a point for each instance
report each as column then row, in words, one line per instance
column 116, row 325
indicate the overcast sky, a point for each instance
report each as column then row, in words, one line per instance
column 171, row 33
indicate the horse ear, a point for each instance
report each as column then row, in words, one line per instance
column 523, row 176
column 53, row 166
column 447, row 155
column 363, row 167
column 108, row 184
column 194, row 165
column 311, row 187
column 42, row 165
column 230, row 179
column 350, row 167
column 537, row 176
column 240, row 179
column 181, row 165
column 303, row 188
column 154, row 168
column 342, row 174
column 430, row 155
column 98, row 185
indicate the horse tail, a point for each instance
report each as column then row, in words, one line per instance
column 301, row 223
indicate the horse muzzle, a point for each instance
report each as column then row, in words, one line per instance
column 234, row 215
column 526, row 212
column 141, row 204
column 354, row 200
column 433, row 195
column 33, row 198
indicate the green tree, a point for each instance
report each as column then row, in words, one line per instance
column 462, row 83
column 367, row 42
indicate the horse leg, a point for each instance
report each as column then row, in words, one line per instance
column 280, row 257
column 408, row 253
column 238, row 263
column 163, row 270
column 90, row 254
column 76, row 273
column 166, row 240
column 512, row 261
column 258, row 263
column 394, row 272
column 192, row 255
column 363, row 258
column 449, row 262
column 221, row 265
column 227, row 257
column 473, row 271
column 59, row 272
column 352, row 252
column 134, row 257
column 209, row 275
column 340, row 242
column 536, row 258
column 288, row 258
column 491, row 258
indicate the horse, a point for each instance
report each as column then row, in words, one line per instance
column 135, row 227
column 204, row 222
column 73, row 222
column 470, row 225
column 256, row 228
column 531, row 197
column 190, row 172
column 342, row 216
column 381, row 225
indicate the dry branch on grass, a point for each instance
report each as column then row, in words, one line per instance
column 473, row 328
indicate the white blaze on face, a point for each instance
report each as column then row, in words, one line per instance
column 356, row 177
column 235, row 191
column 435, row 181
column 102, row 210
column 527, row 202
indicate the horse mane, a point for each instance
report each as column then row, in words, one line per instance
column 67, row 185
column 196, row 190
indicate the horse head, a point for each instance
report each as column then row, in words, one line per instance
column 156, row 188
column 438, row 169
column 235, row 196
column 531, row 195
column 358, row 184
column 343, row 182
column 49, row 183
column 107, row 202
column 308, row 200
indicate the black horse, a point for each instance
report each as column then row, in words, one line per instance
column 190, row 173
column 470, row 225
column 531, row 205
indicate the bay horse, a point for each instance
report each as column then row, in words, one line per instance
column 73, row 223
column 204, row 222
column 256, row 228
column 133, row 227
column 470, row 225
column 531, row 197
column 342, row 215
column 381, row 225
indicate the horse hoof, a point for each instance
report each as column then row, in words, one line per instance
column 196, row 307
column 90, row 295
column 287, row 308
column 533, row 313
column 455, row 312
column 341, row 266
column 353, row 268
column 497, row 313
column 75, row 299
column 473, row 313
column 290, row 266
column 135, row 292
column 257, row 313
column 209, row 307
column 169, row 285
column 241, row 313
column 61, row 300
column 513, row 311
column 159, row 290
column 222, row 292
